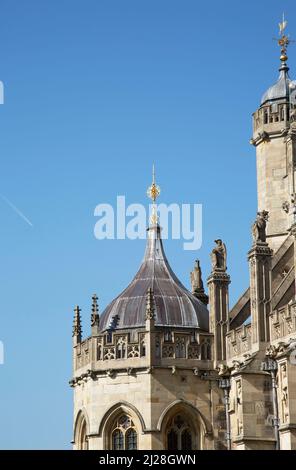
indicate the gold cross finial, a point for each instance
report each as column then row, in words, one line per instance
column 153, row 192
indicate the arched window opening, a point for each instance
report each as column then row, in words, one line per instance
column 117, row 440
column 265, row 117
column 168, row 336
column 186, row 440
column 172, row 440
column 131, row 439
column 179, row 434
column 143, row 348
column 124, row 434
column 120, row 349
column 206, row 349
column 180, row 348
column 82, row 439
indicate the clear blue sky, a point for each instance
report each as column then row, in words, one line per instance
column 95, row 91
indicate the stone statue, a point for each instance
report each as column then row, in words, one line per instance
column 197, row 287
column 195, row 277
column 222, row 369
column 284, row 393
column 218, row 256
column 259, row 227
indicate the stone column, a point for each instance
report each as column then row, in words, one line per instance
column 260, row 290
column 218, row 283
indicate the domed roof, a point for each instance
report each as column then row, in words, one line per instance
column 280, row 90
column 174, row 304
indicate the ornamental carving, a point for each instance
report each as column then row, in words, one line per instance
column 259, row 227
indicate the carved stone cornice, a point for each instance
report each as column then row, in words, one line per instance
column 260, row 249
column 219, row 277
column 265, row 136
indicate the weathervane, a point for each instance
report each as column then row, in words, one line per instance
column 153, row 192
column 284, row 40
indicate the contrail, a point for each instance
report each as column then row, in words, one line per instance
column 16, row 210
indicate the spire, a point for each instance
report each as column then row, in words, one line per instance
column 153, row 192
column 77, row 329
column 95, row 318
column 150, row 306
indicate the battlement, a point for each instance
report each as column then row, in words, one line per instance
column 270, row 115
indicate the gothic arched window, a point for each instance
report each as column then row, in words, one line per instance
column 124, row 434
column 186, row 440
column 172, row 439
column 206, row 349
column 82, row 438
column 179, row 434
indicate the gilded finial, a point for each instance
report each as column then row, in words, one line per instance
column 153, row 192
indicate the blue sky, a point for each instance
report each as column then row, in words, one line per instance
column 95, row 91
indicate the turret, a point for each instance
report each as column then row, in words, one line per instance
column 275, row 156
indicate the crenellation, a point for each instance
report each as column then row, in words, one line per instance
column 271, row 117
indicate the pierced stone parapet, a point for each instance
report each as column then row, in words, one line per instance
column 239, row 341
column 119, row 346
column 283, row 322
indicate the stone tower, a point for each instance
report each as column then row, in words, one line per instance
column 276, row 152
column 261, row 341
